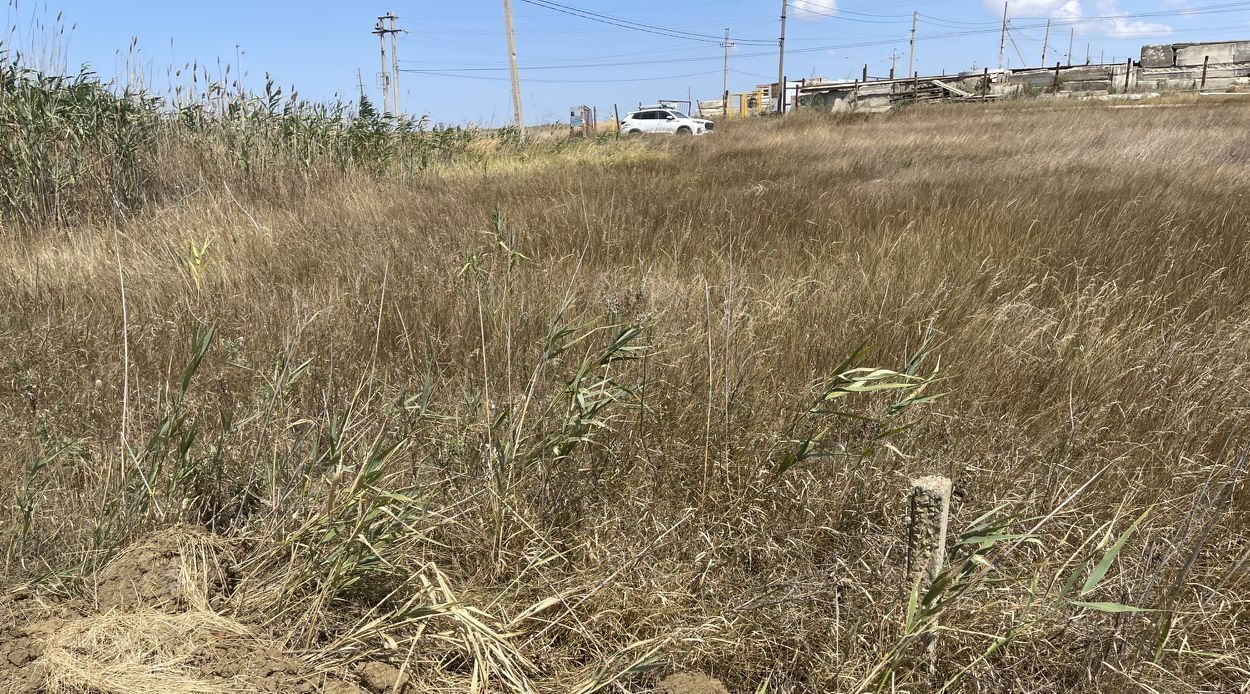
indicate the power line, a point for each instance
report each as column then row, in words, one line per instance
column 1228, row 7
column 634, row 26
column 995, row 24
column 614, row 81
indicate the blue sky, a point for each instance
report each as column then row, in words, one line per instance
column 319, row 45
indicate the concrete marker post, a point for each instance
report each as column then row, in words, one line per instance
column 926, row 540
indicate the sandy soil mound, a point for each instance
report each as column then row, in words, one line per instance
column 176, row 569
column 152, row 630
column 691, row 683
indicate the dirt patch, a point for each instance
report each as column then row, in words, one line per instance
column 691, row 683
column 176, row 569
column 246, row 663
column 382, row 678
column 151, row 629
column 20, row 648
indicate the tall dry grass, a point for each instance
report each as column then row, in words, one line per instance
column 524, row 423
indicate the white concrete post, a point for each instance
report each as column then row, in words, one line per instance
column 926, row 539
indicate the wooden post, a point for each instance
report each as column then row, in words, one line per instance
column 865, row 72
column 1055, row 87
column 1128, row 71
column 616, row 122
column 1205, row 59
column 512, row 69
column 985, row 83
column 926, row 539
column 1045, row 43
column 915, row 86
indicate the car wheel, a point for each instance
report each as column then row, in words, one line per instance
column 633, row 133
column 683, row 130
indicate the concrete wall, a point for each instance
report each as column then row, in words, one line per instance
column 1219, row 78
column 1158, row 56
column 1073, row 79
column 1195, row 54
column 1179, row 66
column 1169, row 67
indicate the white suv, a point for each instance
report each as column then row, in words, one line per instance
column 664, row 121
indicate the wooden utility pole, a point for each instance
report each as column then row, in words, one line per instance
column 384, row 76
column 726, row 44
column 893, row 59
column 516, row 78
column 781, row 60
column 911, row 53
column 1045, row 42
column 1002, row 40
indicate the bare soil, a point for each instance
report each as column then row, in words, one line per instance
column 691, row 683
column 147, row 626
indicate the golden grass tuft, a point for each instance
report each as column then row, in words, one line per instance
column 142, row 652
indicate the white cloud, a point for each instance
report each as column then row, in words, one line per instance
column 1123, row 27
column 1116, row 25
column 814, row 9
column 1065, row 9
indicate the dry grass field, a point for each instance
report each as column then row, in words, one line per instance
column 569, row 418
